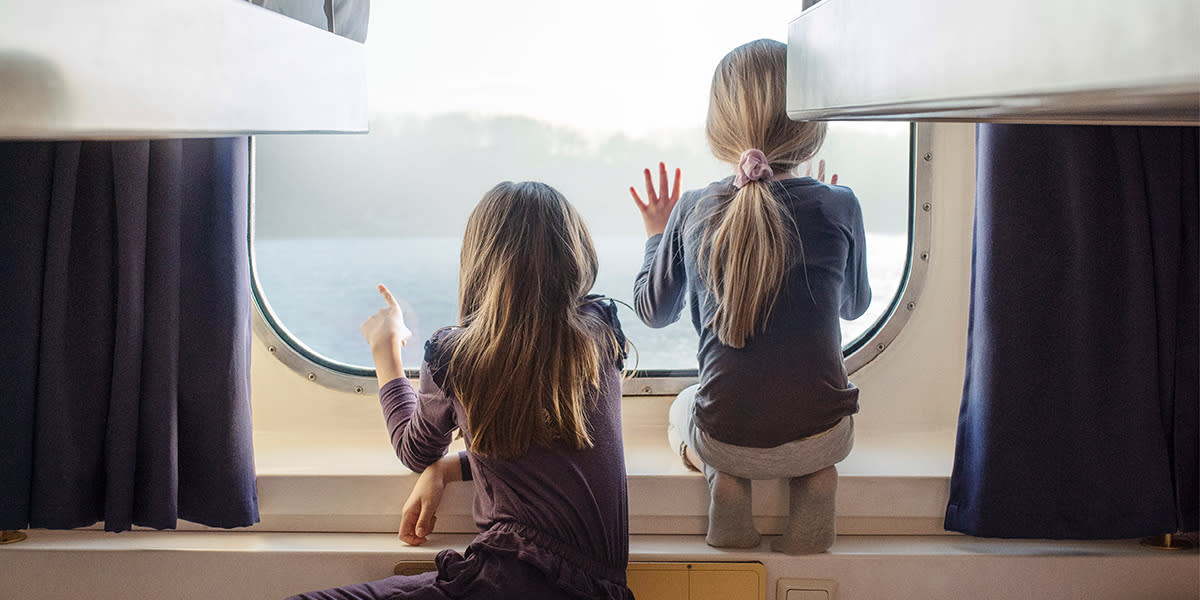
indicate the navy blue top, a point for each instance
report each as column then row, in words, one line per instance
column 788, row 381
column 560, row 509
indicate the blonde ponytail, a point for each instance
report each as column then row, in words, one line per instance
column 747, row 247
column 745, row 260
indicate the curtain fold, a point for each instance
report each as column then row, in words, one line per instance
column 126, row 272
column 1079, row 408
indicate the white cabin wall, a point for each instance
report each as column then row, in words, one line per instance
column 283, row 401
column 915, row 385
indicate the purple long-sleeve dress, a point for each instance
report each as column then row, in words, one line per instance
column 554, row 522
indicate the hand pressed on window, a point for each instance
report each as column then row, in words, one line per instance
column 820, row 172
column 657, row 208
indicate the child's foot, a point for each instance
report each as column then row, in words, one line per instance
column 730, row 522
column 789, row 545
column 725, row 539
column 811, row 526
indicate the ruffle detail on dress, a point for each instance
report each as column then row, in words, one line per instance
column 564, row 566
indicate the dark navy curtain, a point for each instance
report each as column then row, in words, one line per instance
column 1079, row 409
column 124, row 287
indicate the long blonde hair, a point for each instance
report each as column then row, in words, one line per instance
column 525, row 358
column 745, row 253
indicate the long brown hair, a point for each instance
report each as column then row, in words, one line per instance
column 525, row 358
column 746, row 250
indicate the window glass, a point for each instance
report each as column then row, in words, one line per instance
column 582, row 97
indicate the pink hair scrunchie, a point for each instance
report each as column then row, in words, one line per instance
column 753, row 166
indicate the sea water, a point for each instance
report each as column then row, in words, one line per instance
column 322, row 289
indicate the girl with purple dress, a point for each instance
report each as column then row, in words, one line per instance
column 531, row 377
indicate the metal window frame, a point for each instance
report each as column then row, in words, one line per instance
column 356, row 379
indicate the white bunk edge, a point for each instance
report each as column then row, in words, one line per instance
column 1030, row 61
column 150, row 69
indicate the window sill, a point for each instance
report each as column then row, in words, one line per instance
column 893, row 483
column 254, row 565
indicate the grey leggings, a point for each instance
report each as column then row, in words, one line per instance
column 806, row 464
column 792, row 459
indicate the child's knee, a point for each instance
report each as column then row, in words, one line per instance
column 726, row 489
column 815, row 493
column 730, row 522
column 820, row 483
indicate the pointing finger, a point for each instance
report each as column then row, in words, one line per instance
column 833, row 180
column 675, row 188
column 387, row 296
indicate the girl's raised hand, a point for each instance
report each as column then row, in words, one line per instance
column 386, row 333
column 820, row 173
column 657, row 207
column 386, row 327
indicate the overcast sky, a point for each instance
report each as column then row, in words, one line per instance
column 464, row 94
column 629, row 66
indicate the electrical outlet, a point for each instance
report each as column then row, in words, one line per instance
column 795, row 588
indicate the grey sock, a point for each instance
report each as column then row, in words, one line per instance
column 811, row 520
column 730, row 521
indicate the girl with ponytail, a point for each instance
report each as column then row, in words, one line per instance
column 767, row 262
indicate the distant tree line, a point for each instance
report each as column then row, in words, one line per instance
column 421, row 177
